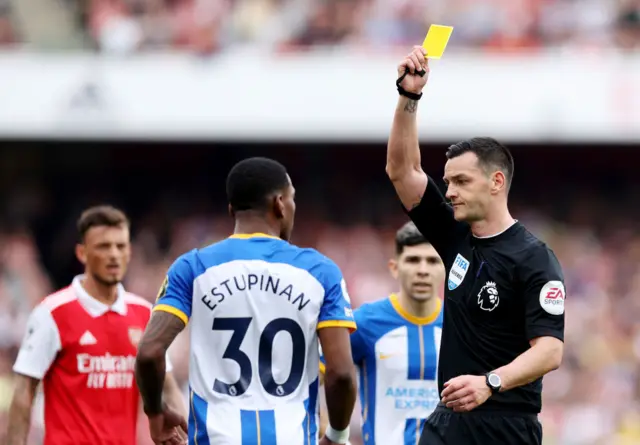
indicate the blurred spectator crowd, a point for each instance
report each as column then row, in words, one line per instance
column 593, row 399
column 211, row 26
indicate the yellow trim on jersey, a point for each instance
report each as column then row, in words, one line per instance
column 172, row 310
column 395, row 302
column 323, row 368
column 252, row 235
column 338, row 324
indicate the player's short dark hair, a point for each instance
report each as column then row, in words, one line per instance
column 251, row 181
column 490, row 153
column 103, row 215
column 408, row 235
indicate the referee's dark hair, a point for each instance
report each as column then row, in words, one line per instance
column 252, row 181
column 490, row 153
column 408, row 235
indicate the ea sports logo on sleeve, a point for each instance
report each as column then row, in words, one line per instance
column 552, row 296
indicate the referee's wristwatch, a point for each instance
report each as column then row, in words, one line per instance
column 494, row 382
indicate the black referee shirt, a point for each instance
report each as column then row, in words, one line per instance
column 500, row 293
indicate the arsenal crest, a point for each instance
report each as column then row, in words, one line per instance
column 135, row 334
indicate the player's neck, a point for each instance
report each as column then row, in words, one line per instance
column 420, row 309
column 249, row 225
column 104, row 293
column 496, row 222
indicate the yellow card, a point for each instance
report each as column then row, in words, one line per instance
column 436, row 40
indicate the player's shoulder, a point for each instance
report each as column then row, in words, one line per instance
column 137, row 302
column 186, row 264
column 306, row 258
column 274, row 249
column 371, row 308
column 318, row 265
column 239, row 248
column 313, row 258
column 270, row 250
column 61, row 304
column 188, row 258
column 218, row 247
column 138, row 308
column 375, row 315
column 57, row 300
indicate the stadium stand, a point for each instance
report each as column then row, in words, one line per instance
column 209, row 27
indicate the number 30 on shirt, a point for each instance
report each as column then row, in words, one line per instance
column 239, row 328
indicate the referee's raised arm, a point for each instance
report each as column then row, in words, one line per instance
column 420, row 196
column 403, row 152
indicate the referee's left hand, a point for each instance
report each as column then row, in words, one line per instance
column 465, row 392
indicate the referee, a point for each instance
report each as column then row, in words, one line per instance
column 504, row 299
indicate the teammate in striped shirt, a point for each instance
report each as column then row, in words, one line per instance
column 81, row 343
column 397, row 344
column 257, row 306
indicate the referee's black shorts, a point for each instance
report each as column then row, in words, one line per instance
column 445, row 427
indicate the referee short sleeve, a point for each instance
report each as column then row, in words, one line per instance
column 545, row 295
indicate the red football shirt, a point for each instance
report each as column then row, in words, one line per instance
column 84, row 352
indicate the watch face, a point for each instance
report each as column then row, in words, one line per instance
column 494, row 380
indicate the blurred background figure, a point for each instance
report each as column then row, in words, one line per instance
column 214, row 26
column 146, row 104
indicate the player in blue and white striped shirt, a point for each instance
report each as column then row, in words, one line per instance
column 257, row 306
column 397, row 344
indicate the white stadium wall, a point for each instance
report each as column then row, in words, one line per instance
column 246, row 96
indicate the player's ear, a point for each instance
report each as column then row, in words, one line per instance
column 231, row 212
column 278, row 206
column 81, row 253
column 393, row 268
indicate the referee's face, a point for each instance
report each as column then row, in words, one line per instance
column 468, row 187
column 105, row 252
column 419, row 271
